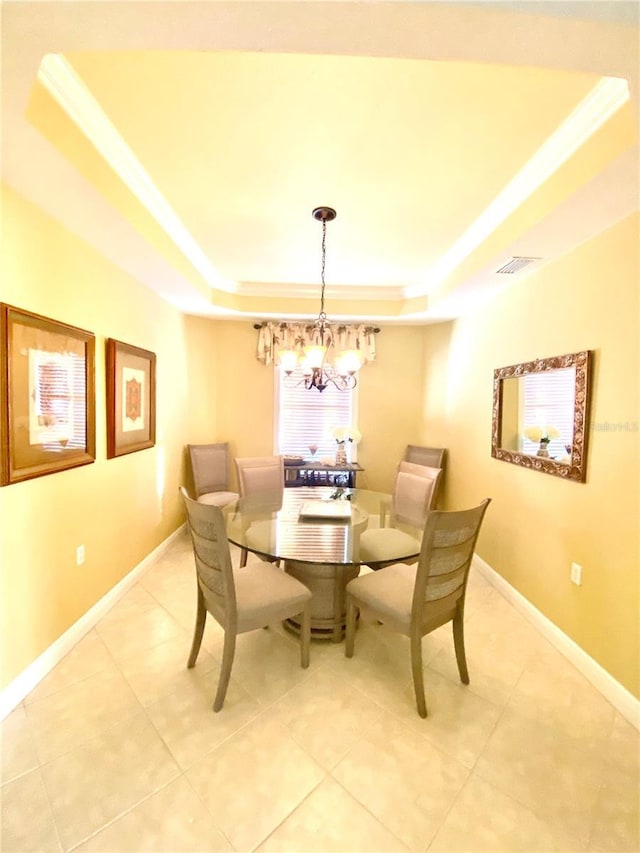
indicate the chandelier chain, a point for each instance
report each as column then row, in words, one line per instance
column 324, row 259
column 318, row 370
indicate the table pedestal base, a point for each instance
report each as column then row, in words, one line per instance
column 327, row 582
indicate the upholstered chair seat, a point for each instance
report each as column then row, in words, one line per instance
column 264, row 594
column 218, row 498
column 385, row 543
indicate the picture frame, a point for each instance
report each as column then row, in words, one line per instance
column 47, row 396
column 131, row 398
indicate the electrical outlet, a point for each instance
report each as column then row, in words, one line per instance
column 79, row 555
column 576, row 574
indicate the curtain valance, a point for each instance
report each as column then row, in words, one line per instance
column 273, row 337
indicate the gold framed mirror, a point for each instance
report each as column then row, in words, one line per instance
column 540, row 414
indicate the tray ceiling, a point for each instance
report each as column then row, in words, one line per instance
column 189, row 143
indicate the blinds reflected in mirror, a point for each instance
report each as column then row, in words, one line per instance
column 539, row 406
column 57, row 400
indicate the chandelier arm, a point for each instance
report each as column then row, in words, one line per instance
column 344, row 386
column 320, row 378
column 342, row 383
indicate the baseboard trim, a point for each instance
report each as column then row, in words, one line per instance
column 621, row 699
column 21, row 686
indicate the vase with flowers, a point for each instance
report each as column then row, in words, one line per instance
column 543, row 435
column 345, row 435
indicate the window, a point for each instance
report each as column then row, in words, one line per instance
column 305, row 417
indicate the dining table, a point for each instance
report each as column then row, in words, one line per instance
column 316, row 534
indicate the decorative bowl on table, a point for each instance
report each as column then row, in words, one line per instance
column 293, row 460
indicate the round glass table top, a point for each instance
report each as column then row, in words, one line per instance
column 320, row 524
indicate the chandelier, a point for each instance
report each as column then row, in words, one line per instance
column 317, row 369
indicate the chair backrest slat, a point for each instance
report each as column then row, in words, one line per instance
column 212, row 557
column 445, row 559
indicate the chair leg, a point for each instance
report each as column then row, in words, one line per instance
column 350, row 630
column 201, row 618
column 305, row 636
column 243, row 557
column 458, row 642
column 338, row 604
column 225, row 670
column 416, row 669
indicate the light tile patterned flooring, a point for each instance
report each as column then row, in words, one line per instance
column 117, row 749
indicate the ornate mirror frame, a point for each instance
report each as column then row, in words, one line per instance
column 576, row 468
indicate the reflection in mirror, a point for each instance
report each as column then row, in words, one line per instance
column 540, row 412
column 537, row 413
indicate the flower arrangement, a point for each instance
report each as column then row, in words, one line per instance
column 541, row 433
column 346, row 433
column 342, row 434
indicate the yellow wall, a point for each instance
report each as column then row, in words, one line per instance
column 429, row 385
column 390, row 403
column 538, row 524
column 119, row 509
column 244, row 390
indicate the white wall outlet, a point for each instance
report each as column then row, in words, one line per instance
column 79, row 555
column 576, row 574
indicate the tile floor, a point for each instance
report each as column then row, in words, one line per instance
column 117, row 749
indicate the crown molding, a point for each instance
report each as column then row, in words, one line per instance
column 63, row 84
column 312, row 291
column 605, row 99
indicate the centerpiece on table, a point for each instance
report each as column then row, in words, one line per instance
column 344, row 435
column 542, row 434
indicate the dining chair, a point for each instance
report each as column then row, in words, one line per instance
column 255, row 521
column 413, row 495
column 409, row 494
column 210, row 473
column 258, row 474
column 416, row 599
column 240, row 600
column 432, row 457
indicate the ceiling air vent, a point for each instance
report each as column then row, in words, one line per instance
column 516, row 264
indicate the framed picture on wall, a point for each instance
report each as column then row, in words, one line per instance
column 47, row 396
column 131, row 398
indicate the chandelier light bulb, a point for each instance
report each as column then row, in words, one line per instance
column 348, row 362
column 288, row 360
column 315, row 355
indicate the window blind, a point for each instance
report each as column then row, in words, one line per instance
column 549, row 401
column 58, row 404
column 305, row 417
